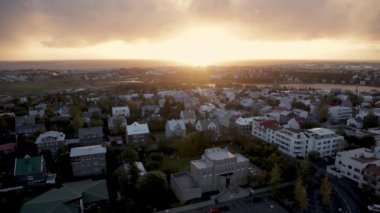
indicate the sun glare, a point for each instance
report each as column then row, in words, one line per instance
column 201, row 46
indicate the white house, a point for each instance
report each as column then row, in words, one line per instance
column 244, row 125
column 51, row 140
column 137, row 132
column 123, row 110
column 358, row 165
column 175, row 128
column 340, row 113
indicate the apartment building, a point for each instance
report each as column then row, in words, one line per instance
column 88, row 160
column 51, row 140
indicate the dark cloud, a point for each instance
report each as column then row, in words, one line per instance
column 69, row 23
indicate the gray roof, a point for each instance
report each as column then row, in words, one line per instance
column 87, row 150
column 184, row 180
column 90, row 132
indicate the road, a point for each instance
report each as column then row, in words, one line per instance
column 245, row 205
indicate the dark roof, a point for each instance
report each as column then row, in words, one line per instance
column 91, row 131
column 372, row 169
column 269, row 123
column 59, row 199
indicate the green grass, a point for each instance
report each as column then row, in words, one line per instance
column 36, row 88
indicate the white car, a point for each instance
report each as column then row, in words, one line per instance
column 374, row 208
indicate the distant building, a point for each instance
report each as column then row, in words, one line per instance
column 70, row 197
column 137, row 132
column 244, row 125
column 51, row 140
column 30, row 169
column 208, row 126
column 113, row 123
column 188, row 116
column 175, row 128
column 340, row 113
column 91, row 135
column 88, row 160
column 123, row 110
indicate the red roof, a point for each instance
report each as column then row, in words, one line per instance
column 365, row 160
column 373, row 169
column 269, row 123
column 7, row 146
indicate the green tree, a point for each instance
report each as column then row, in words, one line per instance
column 305, row 169
column 300, row 194
column 77, row 122
column 129, row 155
column 325, row 190
column 275, row 177
column 119, row 128
column 152, row 190
column 96, row 122
column 323, row 113
column 370, row 120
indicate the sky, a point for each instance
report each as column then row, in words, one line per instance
column 198, row 32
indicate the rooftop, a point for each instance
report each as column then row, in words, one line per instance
column 137, row 128
column 218, row 153
column 321, row 131
column 28, row 165
column 59, row 199
column 200, row 164
column 184, row 180
column 87, row 150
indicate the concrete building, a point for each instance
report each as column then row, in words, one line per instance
column 340, row 113
column 121, row 111
column 137, row 132
column 219, row 169
column 88, row 160
column 175, row 128
column 360, row 165
column 296, row 142
column 51, row 141
column 184, row 186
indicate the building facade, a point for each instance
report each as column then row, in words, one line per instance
column 51, row 140
column 137, row 133
column 219, row 169
column 88, row 160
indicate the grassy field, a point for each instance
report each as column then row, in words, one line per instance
column 36, row 88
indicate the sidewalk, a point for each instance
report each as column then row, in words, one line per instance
column 225, row 196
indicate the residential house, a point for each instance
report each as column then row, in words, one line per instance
column 137, row 132
column 7, row 148
column 244, row 125
column 81, row 196
column 208, row 125
column 121, row 111
column 188, row 116
column 175, row 128
column 51, row 140
column 91, row 135
column 115, row 122
column 88, row 160
column 147, row 110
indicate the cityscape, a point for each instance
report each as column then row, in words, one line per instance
column 190, row 106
